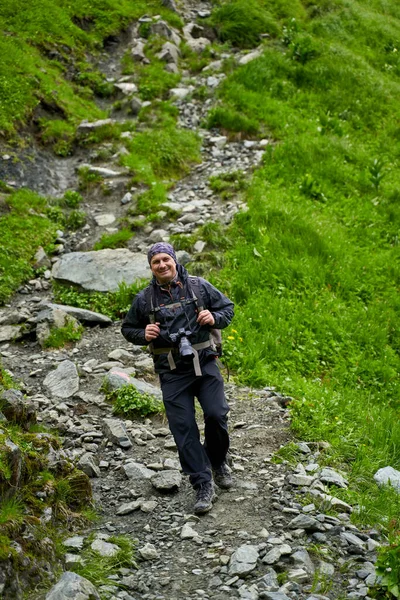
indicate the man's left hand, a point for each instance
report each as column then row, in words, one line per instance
column 205, row 318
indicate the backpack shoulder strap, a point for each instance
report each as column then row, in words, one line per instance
column 149, row 303
column 195, row 289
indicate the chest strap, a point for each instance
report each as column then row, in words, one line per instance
column 171, row 351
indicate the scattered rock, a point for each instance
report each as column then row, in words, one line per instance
column 63, row 382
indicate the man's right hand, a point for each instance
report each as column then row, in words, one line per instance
column 152, row 332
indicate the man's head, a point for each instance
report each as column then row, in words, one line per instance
column 162, row 261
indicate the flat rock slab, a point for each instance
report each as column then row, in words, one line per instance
column 86, row 316
column 167, row 481
column 72, row 585
column 243, row 561
column 64, row 381
column 102, row 171
column 137, row 471
column 101, row 270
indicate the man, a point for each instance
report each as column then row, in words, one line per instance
column 176, row 324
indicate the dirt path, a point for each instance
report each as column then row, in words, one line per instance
column 181, row 556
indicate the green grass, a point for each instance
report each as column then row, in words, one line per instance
column 228, row 185
column 162, row 153
column 98, row 569
column 241, row 22
column 155, row 82
column 315, row 264
column 22, row 231
column 119, row 239
column 113, row 304
column 231, row 121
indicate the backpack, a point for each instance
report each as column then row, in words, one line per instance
column 193, row 284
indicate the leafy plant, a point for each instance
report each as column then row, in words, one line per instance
column 129, row 401
column 75, row 219
column 87, row 179
column 388, row 567
column 377, row 172
column 60, row 336
column 311, row 188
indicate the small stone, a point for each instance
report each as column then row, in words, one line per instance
column 148, row 552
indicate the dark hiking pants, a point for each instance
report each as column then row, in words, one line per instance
column 179, row 390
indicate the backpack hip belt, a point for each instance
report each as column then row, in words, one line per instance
column 170, row 351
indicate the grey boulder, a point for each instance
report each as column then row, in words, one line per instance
column 73, row 586
column 101, row 270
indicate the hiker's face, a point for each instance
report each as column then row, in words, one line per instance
column 163, row 267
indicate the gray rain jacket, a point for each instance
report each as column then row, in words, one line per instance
column 183, row 314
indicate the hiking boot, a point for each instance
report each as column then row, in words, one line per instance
column 204, row 498
column 223, row 477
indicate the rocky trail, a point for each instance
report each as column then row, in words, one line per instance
column 280, row 533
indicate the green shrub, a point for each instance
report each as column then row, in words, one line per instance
column 6, row 380
column 72, row 199
column 128, row 401
column 87, row 76
column 88, row 180
column 75, row 219
column 118, row 239
column 241, row 22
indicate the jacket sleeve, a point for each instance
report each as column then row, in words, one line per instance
column 219, row 305
column 135, row 322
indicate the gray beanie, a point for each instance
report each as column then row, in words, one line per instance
column 161, row 247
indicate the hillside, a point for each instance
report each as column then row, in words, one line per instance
column 265, row 146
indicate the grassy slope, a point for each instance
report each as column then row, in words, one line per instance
column 315, row 266
column 40, row 45
column 45, row 53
